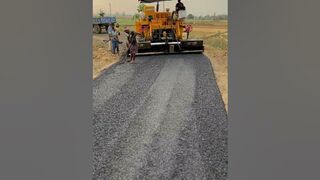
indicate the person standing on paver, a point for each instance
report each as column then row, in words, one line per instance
column 180, row 10
column 180, row 6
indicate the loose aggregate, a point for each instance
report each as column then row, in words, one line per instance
column 160, row 118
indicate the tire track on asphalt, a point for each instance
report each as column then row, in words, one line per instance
column 111, row 118
column 148, row 120
column 159, row 162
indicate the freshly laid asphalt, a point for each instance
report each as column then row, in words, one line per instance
column 160, row 118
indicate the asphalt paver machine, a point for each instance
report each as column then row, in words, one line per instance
column 162, row 32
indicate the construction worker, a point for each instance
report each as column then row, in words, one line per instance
column 127, row 31
column 188, row 29
column 109, row 31
column 114, row 34
column 117, row 30
column 180, row 6
column 181, row 9
column 132, row 44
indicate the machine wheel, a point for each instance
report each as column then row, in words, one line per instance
column 97, row 29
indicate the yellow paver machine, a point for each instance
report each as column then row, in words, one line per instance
column 162, row 32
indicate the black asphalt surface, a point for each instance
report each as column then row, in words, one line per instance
column 160, row 118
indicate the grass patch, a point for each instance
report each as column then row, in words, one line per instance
column 125, row 21
column 218, row 41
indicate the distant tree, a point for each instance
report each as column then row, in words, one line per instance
column 140, row 7
column 139, row 13
column 207, row 17
column 136, row 16
column 101, row 13
column 190, row 16
column 222, row 17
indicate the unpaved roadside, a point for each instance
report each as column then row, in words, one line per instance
column 102, row 57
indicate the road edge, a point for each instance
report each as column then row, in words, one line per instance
column 121, row 57
column 215, row 79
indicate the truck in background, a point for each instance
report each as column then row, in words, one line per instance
column 102, row 23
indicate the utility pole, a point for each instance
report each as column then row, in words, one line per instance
column 110, row 8
column 157, row 6
column 164, row 7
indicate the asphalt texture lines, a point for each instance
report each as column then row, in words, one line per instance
column 160, row 118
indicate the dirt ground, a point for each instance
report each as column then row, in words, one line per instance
column 215, row 38
column 102, row 57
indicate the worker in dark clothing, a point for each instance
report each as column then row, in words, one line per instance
column 180, row 6
column 180, row 12
column 132, row 44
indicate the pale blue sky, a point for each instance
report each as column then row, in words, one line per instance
column 196, row 7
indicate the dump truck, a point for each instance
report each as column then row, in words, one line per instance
column 102, row 23
column 162, row 32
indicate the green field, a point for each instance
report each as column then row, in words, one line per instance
column 125, row 21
